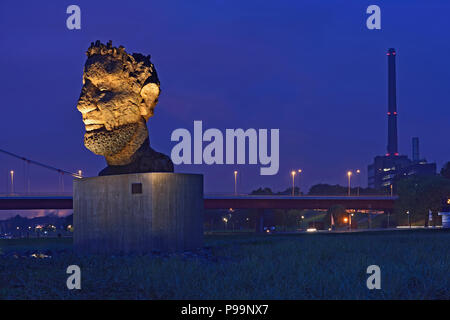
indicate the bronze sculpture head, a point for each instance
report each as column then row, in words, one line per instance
column 119, row 94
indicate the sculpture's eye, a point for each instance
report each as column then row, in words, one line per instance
column 105, row 96
column 87, row 81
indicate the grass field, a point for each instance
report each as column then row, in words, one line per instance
column 414, row 265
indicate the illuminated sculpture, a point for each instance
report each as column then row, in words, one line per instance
column 118, row 96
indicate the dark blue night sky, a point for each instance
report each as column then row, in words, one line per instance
column 310, row 68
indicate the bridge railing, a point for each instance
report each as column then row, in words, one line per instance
column 223, row 195
column 35, row 194
column 287, row 196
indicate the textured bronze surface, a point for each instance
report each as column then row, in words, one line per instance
column 119, row 94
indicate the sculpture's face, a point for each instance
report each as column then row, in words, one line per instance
column 115, row 106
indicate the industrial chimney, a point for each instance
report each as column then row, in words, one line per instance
column 392, row 147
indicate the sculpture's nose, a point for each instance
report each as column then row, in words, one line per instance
column 92, row 117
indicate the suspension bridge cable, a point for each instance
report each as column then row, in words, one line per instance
column 76, row 175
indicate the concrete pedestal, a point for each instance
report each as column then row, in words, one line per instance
column 138, row 213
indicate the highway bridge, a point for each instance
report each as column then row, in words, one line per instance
column 214, row 201
column 211, row 202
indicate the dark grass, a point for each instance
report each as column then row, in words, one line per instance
column 414, row 265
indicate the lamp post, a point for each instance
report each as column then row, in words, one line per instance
column 12, row 181
column 293, row 182
column 299, row 171
column 225, row 220
column 350, row 221
column 80, row 173
column 349, row 174
column 346, row 220
column 409, row 218
column 235, row 182
column 359, row 181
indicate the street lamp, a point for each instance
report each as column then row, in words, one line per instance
column 299, row 171
column 12, row 180
column 409, row 218
column 235, row 182
column 293, row 182
column 349, row 174
column 359, row 181
column 350, row 221
column 225, row 220
column 80, row 173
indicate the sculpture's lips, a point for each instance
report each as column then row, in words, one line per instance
column 93, row 127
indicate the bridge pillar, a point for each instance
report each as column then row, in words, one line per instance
column 259, row 221
column 388, row 212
